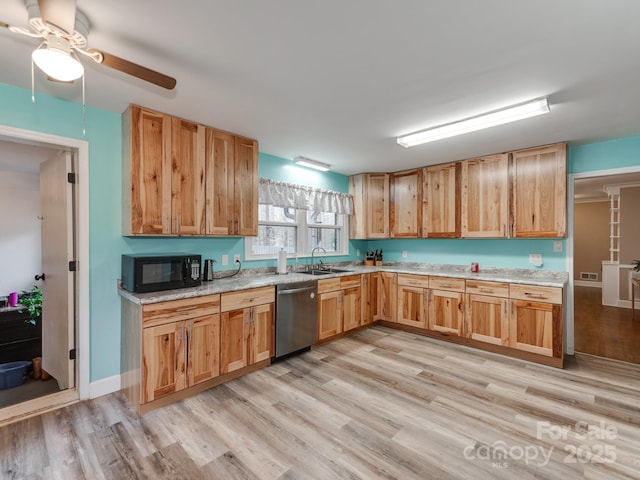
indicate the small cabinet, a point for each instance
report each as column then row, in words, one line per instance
column 180, row 345
column 485, row 197
column 446, row 305
column 413, row 300
column 370, row 218
column 441, row 201
column 536, row 319
column 339, row 305
column 163, row 174
column 385, row 292
column 405, row 214
column 486, row 313
column 539, row 199
column 367, row 297
column 246, row 328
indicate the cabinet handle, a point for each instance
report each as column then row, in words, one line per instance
column 534, row 295
column 169, row 222
column 186, row 309
column 504, row 230
column 446, row 285
column 190, row 333
column 511, row 230
column 505, row 307
column 486, row 290
column 182, row 333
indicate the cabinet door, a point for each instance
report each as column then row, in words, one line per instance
column 234, row 339
column 262, row 333
column 203, row 358
column 487, row 319
column 405, row 214
column 536, row 327
column 330, row 312
column 446, row 312
column 386, row 296
column 441, row 201
column 485, row 197
column 150, row 172
column 539, row 201
column 246, row 187
column 412, row 306
column 164, row 360
column 220, row 162
column 367, row 296
column 351, row 308
column 187, row 171
column 370, row 218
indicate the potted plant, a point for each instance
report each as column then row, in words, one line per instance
column 32, row 300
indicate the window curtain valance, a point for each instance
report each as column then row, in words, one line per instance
column 281, row 194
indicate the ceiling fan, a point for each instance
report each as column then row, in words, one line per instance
column 63, row 30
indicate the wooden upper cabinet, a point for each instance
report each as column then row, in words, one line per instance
column 539, row 198
column 441, row 201
column 370, row 218
column 146, row 172
column 246, row 187
column 405, row 214
column 220, row 165
column 485, row 197
column 187, row 177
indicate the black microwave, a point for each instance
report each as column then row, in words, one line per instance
column 154, row 272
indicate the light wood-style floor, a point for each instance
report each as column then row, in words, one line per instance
column 377, row 404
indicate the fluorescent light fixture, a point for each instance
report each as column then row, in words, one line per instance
column 486, row 120
column 307, row 162
column 54, row 58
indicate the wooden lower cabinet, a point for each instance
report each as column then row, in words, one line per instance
column 246, row 329
column 413, row 300
column 179, row 354
column 487, row 319
column 384, row 305
column 446, row 312
column 536, row 327
column 367, row 298
column 339, row 305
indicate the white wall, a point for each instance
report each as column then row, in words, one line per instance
column 20, row 258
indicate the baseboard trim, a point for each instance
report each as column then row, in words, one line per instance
column 584, row 283
column 104, row 386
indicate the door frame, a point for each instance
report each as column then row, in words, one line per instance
column 569, row 319
column 81, row 240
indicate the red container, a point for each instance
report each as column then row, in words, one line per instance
column 474, row 267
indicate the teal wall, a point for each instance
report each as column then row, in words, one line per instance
column 59, row 117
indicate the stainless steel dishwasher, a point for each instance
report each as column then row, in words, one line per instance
column 296, row 317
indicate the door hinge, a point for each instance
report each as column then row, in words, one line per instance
column 72, row 354
column 71, row 177
column 73, row 265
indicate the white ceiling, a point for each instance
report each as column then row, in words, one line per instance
column 338, row 80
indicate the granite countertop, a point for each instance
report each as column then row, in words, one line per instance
column 253, row 278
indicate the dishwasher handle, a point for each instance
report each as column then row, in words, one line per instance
column 296, row 290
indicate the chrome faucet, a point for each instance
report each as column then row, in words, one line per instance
column 313, row 252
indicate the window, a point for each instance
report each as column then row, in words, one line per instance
column 298, row 232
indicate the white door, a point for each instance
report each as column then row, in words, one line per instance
column 58, row 332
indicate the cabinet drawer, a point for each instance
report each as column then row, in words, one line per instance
column 445, row 283
column 184, row 309
column 338, row 283
column 492, row 289
column 247, row 298
column 536, row 293
column 419, row 281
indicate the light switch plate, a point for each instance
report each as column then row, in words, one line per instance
column 357, row 252
column 405, row 254
column 225, row 260
column 557, row 246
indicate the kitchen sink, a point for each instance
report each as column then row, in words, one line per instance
column 324, row 271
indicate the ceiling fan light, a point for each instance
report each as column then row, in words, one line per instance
column 55, row 59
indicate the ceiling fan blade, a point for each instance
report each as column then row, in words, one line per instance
column 59, row 13
column 133, row 69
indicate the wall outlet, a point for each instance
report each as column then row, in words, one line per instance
column 236, row 258
column 405, row 254
column 357, row 252
column 557, row 246
column 225, row 260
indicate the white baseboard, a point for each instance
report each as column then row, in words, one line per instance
column 584, row 283
column 104, row 386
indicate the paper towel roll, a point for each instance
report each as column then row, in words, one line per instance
column 282, row 262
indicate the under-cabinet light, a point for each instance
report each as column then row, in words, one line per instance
column 307, row 162
column 486, row 120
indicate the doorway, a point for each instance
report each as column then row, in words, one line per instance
column 72, row 382
column 599, row 251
